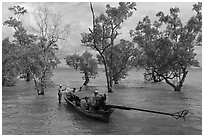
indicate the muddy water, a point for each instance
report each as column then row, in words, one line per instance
column 24, row 112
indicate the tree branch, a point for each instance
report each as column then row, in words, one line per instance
column 106, row 48
column 93, row 15
column 90, row 30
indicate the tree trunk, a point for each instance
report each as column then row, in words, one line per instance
column 106, row 71
column 28, row 76
column 42, row 87
column 86, row 79
column 111, row 79
column 179, row 86
column 43, row 81
column 176, row 88
column 107, row 78
column 39, row 87
column 101, row 53
column 111, row 68
column 183, row 78
column 154, row 77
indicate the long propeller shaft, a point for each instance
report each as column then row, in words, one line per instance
column 176, row 115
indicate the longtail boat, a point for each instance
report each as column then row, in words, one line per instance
column 102, row 115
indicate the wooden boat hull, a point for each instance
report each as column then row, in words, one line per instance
column 99, row 115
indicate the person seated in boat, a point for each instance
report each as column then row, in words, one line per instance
column 77, row 101
column 94, row 101
column 80, row 89
column 84, row 103
column 74, row 90
column 69, row 93
column 68, row 89
column 102, row 101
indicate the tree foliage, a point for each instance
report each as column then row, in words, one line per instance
column 36, row 53
column 50, row 31
column 144, row 35
column 22, row 40
column 10, row 65
column 85, row 63
column 105, row 30
column 169, row 53
column 197, row 21
column 119, row 58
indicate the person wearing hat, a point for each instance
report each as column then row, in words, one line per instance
column 102, row 101
column 95, row 93
column 80, row 89
column 60, row 93
column 94, row 100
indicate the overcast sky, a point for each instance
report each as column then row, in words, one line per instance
column 78, row 15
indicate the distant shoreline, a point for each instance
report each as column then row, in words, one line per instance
column 198, row 51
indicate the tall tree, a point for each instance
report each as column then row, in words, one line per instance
column 171, row 52
column 37, row 56
column 22, row 39
column 85, row 63
column 50, row 30
column 105, row 31
column 181, row 37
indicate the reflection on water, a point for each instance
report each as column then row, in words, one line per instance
column 24, row 112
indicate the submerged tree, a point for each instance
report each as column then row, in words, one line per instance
column 171, row 52
column 182, row 37
column 85, row 63
column 37, row 52
column 49, row 30
column 22, row 41
column 105, row 30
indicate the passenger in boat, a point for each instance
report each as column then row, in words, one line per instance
column 94, row 101
column 60, row 90
column 80, row 89
column 68, row 93
column 77, row 101
column 84, row 103
column 68, row 88
column 74, row 90
column 102, row 101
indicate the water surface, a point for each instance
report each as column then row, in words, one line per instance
column 24, row 112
